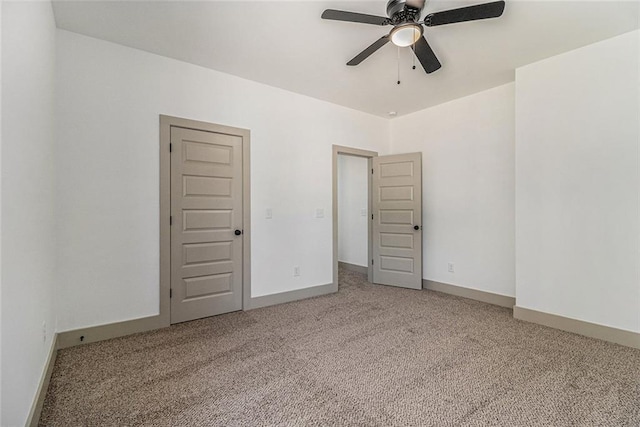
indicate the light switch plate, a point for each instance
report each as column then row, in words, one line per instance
column 268, row 213
column 319, row 213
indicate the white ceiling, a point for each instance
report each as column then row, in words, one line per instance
column 287, row 45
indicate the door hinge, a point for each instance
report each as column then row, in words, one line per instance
column 170, row 219
column 170, row 293
column 371, row 216
column 371, row 171
column 170, row 147
column 371, row 262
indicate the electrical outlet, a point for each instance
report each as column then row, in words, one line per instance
column 44, row 331
column 296, row 271
column 450, row 265
column 268, row 213
column 319, row 213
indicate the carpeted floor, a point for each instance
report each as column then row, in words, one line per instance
column 368, row 356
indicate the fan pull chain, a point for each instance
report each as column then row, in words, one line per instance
column 398, row 64
column 413, row 47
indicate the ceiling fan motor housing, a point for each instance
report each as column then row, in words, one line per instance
column 401, row 11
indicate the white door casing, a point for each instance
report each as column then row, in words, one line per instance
column 206, row 211
column 397, row 220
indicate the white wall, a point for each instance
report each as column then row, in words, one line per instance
column 1, row 3
column 577, row 176
column 109, row 99
column 28, row 36
column 353, row 176
column 468, row 188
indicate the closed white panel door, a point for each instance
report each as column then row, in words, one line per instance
column 397, row 220
column 206, row 211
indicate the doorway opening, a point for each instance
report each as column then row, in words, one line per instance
column 352, row 239
column 353, row 213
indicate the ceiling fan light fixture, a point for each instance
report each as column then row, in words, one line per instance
column 406, row 35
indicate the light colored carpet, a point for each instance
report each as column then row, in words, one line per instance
column 367, row 356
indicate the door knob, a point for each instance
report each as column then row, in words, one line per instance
column 238, row 232
column 416, row 227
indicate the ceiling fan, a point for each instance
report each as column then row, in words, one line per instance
column 407, row 29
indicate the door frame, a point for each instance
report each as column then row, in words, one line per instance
column 166, row 123
column 356, row 152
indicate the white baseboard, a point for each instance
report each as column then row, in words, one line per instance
column 289, row 296
column 483, row 296
column 353, row 267
column 580, row 327
column 43, row 386
column 111, row 330
column 119, row 329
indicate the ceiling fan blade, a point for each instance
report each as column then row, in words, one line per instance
column 368, row 51
column 426, row 56
column 341, row 15
column 463, row 14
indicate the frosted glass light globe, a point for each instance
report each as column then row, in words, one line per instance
column 406, row 35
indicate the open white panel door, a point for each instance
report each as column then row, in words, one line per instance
column 206, row 234
column 397, row 220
